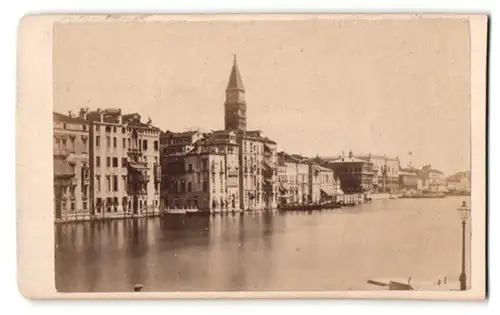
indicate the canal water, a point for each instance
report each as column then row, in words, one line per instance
column 325, row 250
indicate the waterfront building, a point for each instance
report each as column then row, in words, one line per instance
column 204, row 174
column 459, row 182
column 386, row 172
column 124, row 163
column 258, row 171
column 257, row 154
column 174, row 143
column 355, row 174
column 293, row 178
column 71, row 166
column 433, row 180
column 321, row 184
column 409, row 180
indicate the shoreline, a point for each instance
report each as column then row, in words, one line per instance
column 78, row 218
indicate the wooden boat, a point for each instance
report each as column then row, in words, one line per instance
column 331, row 205
column 347, row 204
column 174, row 211
column 189, row 211
column 299, row 207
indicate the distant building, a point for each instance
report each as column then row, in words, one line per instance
column 71, row 165
column 409, row 179
column 293, row 178
column 355, row 174
column 459, row 182
column 386, row 172
column 433, row 180
column 321, row 184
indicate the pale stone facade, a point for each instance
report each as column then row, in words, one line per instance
column 71, row 166
column 386, row 172
column 321, row 184
column 206, row 176
column 124, row 160
column 293, row 179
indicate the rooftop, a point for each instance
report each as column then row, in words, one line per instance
column 345, row 159
column 58, row 117
column 376, row 156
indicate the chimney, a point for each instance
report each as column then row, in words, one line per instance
column 83, row 113
column 70, row 114
column 350, row 154
column 101, row 114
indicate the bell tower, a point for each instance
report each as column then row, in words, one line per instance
column 235, row 108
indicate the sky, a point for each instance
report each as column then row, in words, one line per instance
column 314, row 86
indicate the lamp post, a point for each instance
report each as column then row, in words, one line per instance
column 464, row 212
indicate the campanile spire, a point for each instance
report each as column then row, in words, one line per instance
column 235, row 106
column 235, row 81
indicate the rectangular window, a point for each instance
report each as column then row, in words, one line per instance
column 108, row 141
column 97, row 161
column 98, row 182
column 155, row 144
column 124, row 143
column 115, row 182
column 114, row 142
column 109, row 202
column 205, row 186
column 123, row 130
column 108, row 161
column 145, row 145
column 97, row 141
column 128, row 140
column 125, row 182
column 71, row 145
column 84, row 142
column 108, row 183
column 115, row 162
column 190, row 167
column 108, row 129
column 124, row 162
column 114, row 129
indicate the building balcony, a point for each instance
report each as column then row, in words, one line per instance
column 61, row 152
column 134, row 151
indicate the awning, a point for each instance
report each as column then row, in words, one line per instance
column 138, row 166
column 326, row 193
column 63, row 168
column 284, row 187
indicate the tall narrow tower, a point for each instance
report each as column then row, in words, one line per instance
column 235, row 107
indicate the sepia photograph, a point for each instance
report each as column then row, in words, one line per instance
column 265, row 154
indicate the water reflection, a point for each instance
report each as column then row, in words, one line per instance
column 334, row 249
